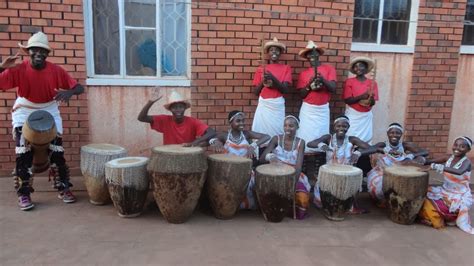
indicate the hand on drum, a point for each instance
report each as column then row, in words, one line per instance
column 217, row 146
column 424, row 168
column 354, row 157
column 272, row 158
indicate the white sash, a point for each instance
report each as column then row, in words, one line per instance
column 23, row 108
column 361, row 124
column 269, row 116
column 314, row 122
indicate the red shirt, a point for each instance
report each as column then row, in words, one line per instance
column 281, row 72
column 353, row 88
column 36, row 86
column 317, row 97
column 174, row 133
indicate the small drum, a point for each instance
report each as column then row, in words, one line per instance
column 338, row 185
column 93, row 159
column 39, row 130
column 275, row 187
column 127, row 179
column 311, row 164
column 178, row 175
column 405, row 189
column 227, row 179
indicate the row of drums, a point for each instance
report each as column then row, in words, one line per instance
column 179, row 174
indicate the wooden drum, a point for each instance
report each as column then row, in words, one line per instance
column 227, row 179
column 311, row 164
column 93, row 159
column 39, row 130
column 275, row 187
column 127, row 180
column 178, row 175
column 405, row 189
column 338, row 185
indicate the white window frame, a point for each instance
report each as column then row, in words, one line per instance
column 392, row 48
column 123, row 79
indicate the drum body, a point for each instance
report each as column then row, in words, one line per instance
column 39, row 130
column 311, row 164
column 93, row 159
column 178, row 175
column 405, row 189
column 128, row 183
column 227, row 180
column 338, row 185
column 275, row 187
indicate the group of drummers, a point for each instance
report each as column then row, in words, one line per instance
column 275, row 138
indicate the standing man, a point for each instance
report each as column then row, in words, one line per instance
column 176, row 128
column 41, row 85
column 271, row 81
column 315, row 85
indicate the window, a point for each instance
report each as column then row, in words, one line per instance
column 138, row 42
column 385, row 25
column 467, row 44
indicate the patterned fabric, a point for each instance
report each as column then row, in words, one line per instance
column 452, row 198
column 392, row 155
column 240, row 149
column 302, row 184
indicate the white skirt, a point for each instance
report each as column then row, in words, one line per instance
column 23, row 108
column 361, row 124
column 314, row 123
column 269, row 116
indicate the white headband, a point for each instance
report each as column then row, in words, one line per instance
column 232, row 117
column 395, row 126
column 342, row 118
column 294, row 117
column 469, row 142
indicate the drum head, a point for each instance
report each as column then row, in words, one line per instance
column 103, row 148
column 225, row 157
column 40, row 121
column 275, row 169
column 340, row 169
column 126, row 162
column 177, row 149
column 405, row 171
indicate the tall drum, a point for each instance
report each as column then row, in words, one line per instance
column 127, row 179
column 93, row 159
column 405, row 189
column 227, row 179
column 178, row 175
column 39, row 130
column 311, row 164
column 338, row 185
column 275, row 187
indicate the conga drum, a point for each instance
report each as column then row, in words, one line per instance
column 405, row 189
column 338, row 185
column 178, row 175
column 127, row 180
column 311, row 164
column 227, row 179
column 275, row 187
column 93, row 159
column 39, row 130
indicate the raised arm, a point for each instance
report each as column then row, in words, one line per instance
column 143, row 115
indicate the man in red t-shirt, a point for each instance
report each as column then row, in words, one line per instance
column 315, row 85
column 176, row 128
column 360, row 95
column 40, row 86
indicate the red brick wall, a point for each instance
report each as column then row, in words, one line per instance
column 62, row 21
column 439, row 35
column 226, row 49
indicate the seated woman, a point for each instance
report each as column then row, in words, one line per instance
column 237, row 141
column 395, row 151
column 450, row 202
column 341, row 149
column 289, row 149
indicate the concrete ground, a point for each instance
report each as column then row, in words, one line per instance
column 82, row 234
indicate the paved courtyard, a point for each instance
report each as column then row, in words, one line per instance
column 82, row 234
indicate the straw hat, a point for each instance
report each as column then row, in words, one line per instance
column 276, row 43
column 370, row 63
column 38, row 39
column 176, row 97
column 309, row 47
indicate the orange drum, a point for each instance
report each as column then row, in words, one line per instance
column 39, row 130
